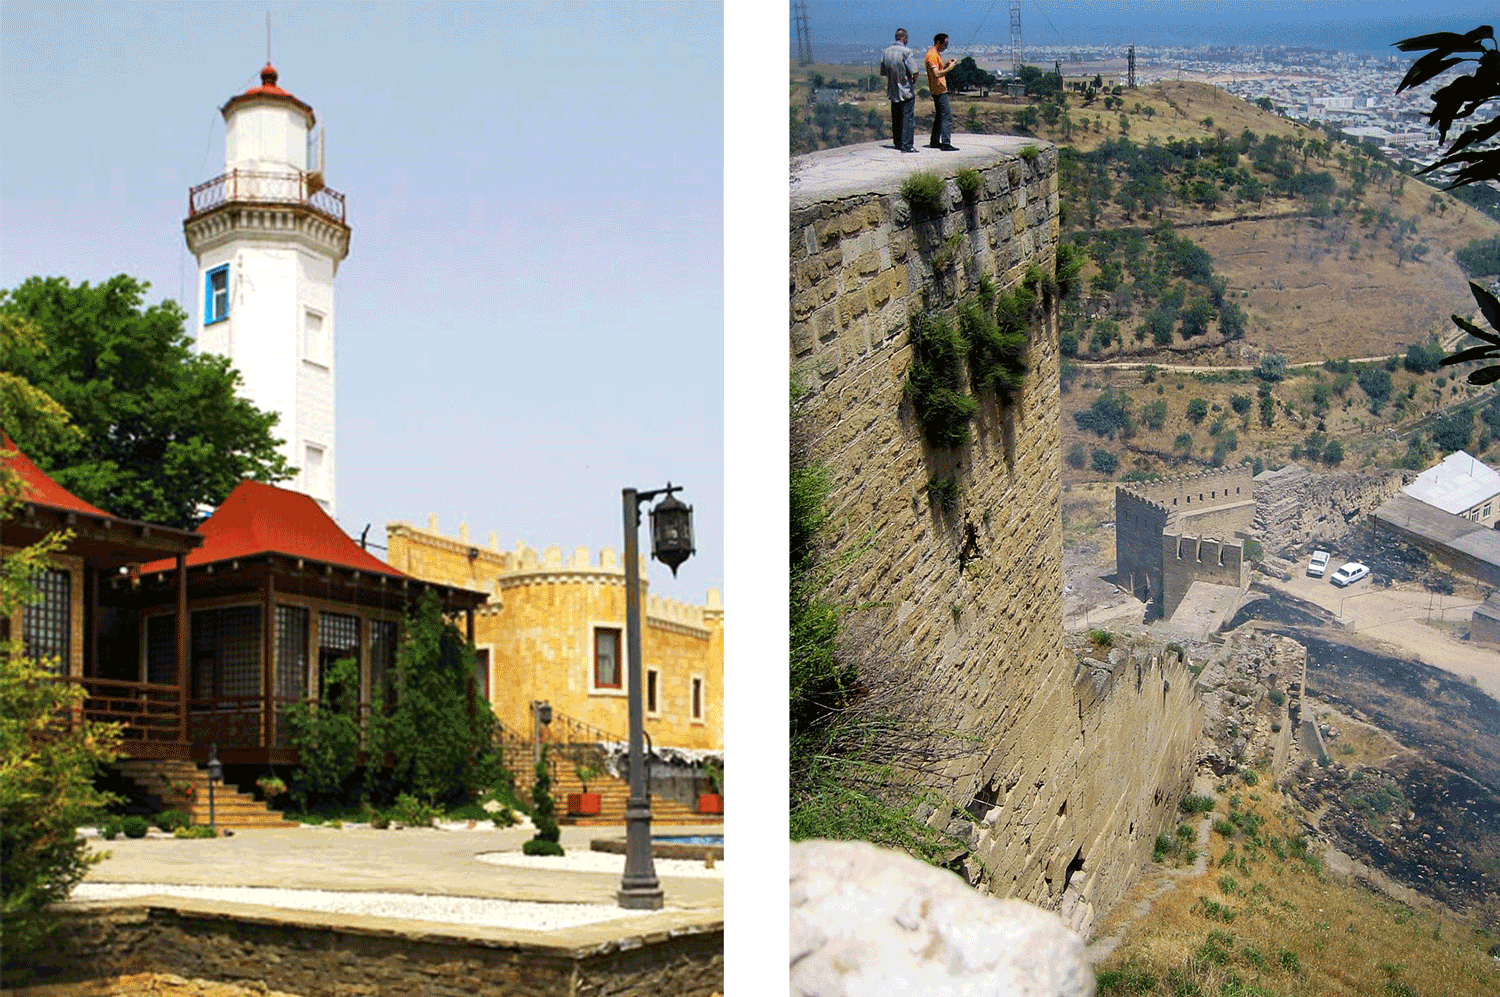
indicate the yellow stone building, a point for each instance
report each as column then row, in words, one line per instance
column 554, row 630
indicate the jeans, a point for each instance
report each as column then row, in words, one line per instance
column 904, row 123
column 942, row 120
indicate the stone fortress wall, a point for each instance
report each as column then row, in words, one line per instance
column 1056, row 781
column 1169, row 534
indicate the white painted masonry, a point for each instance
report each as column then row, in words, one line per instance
column 282, row 236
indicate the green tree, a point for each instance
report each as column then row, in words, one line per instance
column 1104, row 462
column 1454, row 431
column 441, row 743
column 162, row 431
column 1197, row 409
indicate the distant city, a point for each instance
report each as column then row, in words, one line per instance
column 1354, row 92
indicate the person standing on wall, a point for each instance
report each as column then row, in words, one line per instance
column 942, row 114
column 899, row 67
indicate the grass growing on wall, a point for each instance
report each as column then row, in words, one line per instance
column 935, row 382
column 840, row 780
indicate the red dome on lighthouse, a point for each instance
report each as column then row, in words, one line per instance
column 268, row 90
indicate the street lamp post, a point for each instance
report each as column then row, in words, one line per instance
column 215, row 773
column 671, row 543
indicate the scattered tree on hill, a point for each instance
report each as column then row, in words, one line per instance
column 1454, row 431
column 1077, row 456
column 1240, row 403
column 1375, row 382
column 968, row 76
column 162, row 429
column 1105, row 462
column 1197, row 409
column 1423, row 358
column 1481, row 257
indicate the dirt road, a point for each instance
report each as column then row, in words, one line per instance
column 1398, row 616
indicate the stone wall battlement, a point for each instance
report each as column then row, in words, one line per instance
column 499, row 570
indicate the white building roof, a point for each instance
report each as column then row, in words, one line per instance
column 1456, row 485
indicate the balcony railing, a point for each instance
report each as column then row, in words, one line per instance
column 267, row 187
column 147, row 711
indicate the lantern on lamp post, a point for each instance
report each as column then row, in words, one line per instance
column 671, row 543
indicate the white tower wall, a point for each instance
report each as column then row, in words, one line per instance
column 280, row 242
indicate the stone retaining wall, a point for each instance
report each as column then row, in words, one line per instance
column 1054, row 781
column 1295, row 505
column 329, row 955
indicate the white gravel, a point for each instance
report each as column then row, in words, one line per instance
column 448, row 910
column 583, row 860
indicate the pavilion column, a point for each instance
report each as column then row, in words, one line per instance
column 182, row 649
column 91, row 664
column 268, row 661
column 469, row 623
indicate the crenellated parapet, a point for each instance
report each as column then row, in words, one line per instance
column 426, row 551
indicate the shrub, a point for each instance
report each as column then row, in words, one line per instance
column 1276, row 696
column 171, row 820
column 200, row 831
column 413, row 812
column 543, row 811
column 1104, row 462
column 1102, row 638
column 326, row 738
column 505, row 817
column 1197, row 409
column 1077, row 456
column 112, row 828
column 135, row 827
column 1197, row 804
column 47, row 790
column 1030, row 152
column 923, row 192
column 970, row 183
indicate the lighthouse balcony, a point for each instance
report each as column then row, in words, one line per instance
column 267, row 187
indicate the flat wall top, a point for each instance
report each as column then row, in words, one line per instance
column 875, row 167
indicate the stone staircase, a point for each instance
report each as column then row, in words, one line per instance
column 613, row 794
column 168, row 779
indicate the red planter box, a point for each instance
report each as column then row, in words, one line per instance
column 583, row 804
column 710, row 803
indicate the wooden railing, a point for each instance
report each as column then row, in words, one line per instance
column 147, row 711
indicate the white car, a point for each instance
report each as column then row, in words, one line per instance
column 1349, row 574
column 1319, row 563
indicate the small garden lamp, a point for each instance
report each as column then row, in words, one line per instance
column 671, row 543
column 541, row 716
column 215, row 773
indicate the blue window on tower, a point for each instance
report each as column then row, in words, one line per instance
column 216, row 295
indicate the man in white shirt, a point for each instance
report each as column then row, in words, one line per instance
column 899, row 67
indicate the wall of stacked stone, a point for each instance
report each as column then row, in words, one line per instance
column 329, row 955
column 1295, row 505
column 1188, row 559
column 970, row 655
column 1069, row 804
column 1219, row 501
column 1140, row 523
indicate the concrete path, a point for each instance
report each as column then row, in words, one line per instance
column 850, row 170
column 422, row 861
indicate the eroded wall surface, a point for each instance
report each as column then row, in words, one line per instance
column 1055, row 782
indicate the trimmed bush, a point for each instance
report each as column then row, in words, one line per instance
column 135, row 827
column 171, row 820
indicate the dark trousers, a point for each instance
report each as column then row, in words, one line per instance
column 942, row 120
column 904, row 123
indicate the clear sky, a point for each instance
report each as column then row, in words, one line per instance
column 1351, row 25
column 530, row 317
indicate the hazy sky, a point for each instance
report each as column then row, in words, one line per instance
column 1369, row 25
column 530, row 317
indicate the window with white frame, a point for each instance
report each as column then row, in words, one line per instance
column 653, row 684
column 608, row 659
column 314, row 343
column 312, row 469
column 216, row 295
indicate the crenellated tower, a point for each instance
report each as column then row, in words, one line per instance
column 269, row 237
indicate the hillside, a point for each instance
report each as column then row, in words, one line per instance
column 1313, row 249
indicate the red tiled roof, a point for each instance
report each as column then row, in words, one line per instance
column 263, row 519
column 269, row 89
column 37, row 487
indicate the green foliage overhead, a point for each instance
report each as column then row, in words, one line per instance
column 1460, row 98
column 1489, row 348
column 162, row 429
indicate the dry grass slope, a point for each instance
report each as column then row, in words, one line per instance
column 1266, row 918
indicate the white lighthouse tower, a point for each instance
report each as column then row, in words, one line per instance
column 269, row 237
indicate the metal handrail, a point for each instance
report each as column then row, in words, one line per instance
column 266, row 187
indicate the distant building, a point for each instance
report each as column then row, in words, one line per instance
column 1461, row 485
